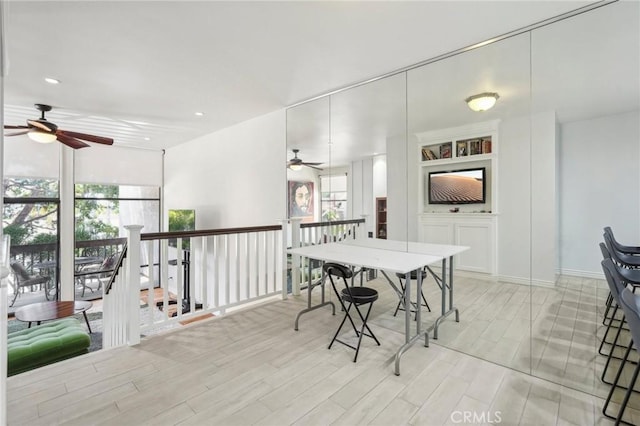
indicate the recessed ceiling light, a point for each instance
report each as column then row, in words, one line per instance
column 52, row 80
column 199, row 114
column 147, row 138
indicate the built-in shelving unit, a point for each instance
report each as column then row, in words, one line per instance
column 454, row 149
column 381, row 217
column 457, row 148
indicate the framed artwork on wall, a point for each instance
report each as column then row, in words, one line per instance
column 300, row 200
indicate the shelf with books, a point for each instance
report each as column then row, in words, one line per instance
column 463, row 150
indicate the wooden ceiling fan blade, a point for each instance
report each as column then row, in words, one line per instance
column 311, row 164
column 71, row 142
column 313, row 167
column 6, row 126
column 86, row 137
column 21, row 132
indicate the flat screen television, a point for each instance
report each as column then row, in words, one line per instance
column 466, row 186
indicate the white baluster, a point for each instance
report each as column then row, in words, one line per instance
column 204, row 273
column 150, row 289
column 179, row 277
column 164, row 276
column 133, row 275
column 295, row 263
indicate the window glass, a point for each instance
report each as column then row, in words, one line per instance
column 19, row 187
column 333, row 197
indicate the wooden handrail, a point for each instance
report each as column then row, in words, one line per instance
column 333, row 223
column 116, row 268
column 207, row 232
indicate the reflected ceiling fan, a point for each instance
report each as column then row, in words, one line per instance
column 43, row 131
column 296, row 163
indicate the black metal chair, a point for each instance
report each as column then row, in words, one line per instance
column 414, row 276
column 356, row 297
column 629, row 303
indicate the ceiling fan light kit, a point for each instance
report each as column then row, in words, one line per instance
column 43, row 131
column 41, row 137
column 296, row 163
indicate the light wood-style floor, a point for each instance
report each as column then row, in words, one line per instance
column 251, row 367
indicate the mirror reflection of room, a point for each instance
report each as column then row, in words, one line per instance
column 530, row 288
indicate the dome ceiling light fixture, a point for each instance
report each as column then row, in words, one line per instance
column 482, row 101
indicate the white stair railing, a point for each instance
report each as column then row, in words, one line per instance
column 4, row 273
column 121, row 297
column 191, row 273
column 305, row 234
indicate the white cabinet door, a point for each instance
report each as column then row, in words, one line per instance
column 478, row 236
column 472, row 230
column 436, row 232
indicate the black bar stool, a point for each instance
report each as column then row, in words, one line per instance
column 629, row 303
column 616, row 283
column 414, row 276
column 355, row 296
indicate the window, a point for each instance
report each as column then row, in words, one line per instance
column 30, row 217
column 333, row 201
column 102, row 212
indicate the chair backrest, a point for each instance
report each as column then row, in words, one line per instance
column 620, row 247
column 629, row 302
column 110, row 261
column 605, row 251
column 622, row 259
column 614, row 279
column 337, row 270
column 20, row 271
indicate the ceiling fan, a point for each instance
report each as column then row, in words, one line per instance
column 296, row 163
column 44, row 131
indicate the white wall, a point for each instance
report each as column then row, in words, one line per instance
column 234, row 177
column 397, row 193
column 599, row 186
column 544, row 210
column 367, row 180
column 514, row 214
column 379, row 177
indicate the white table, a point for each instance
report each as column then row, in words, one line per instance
column 445, row 280
column 387, row 256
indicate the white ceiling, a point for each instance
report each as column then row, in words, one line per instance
column 580, row 68
column 136, row 70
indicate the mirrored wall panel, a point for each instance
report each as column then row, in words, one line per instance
column 585, row 176
column 368, row 143
column 469, row 144
column 522, row 150
column 308, row 155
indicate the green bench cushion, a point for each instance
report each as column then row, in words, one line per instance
column 47, row 343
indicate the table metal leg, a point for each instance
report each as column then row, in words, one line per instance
column 84, row 313
column 310, row 287
column 409, row 340
column 446, row 286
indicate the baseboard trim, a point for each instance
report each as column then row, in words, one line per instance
column 582, row 274
column 526, row 281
